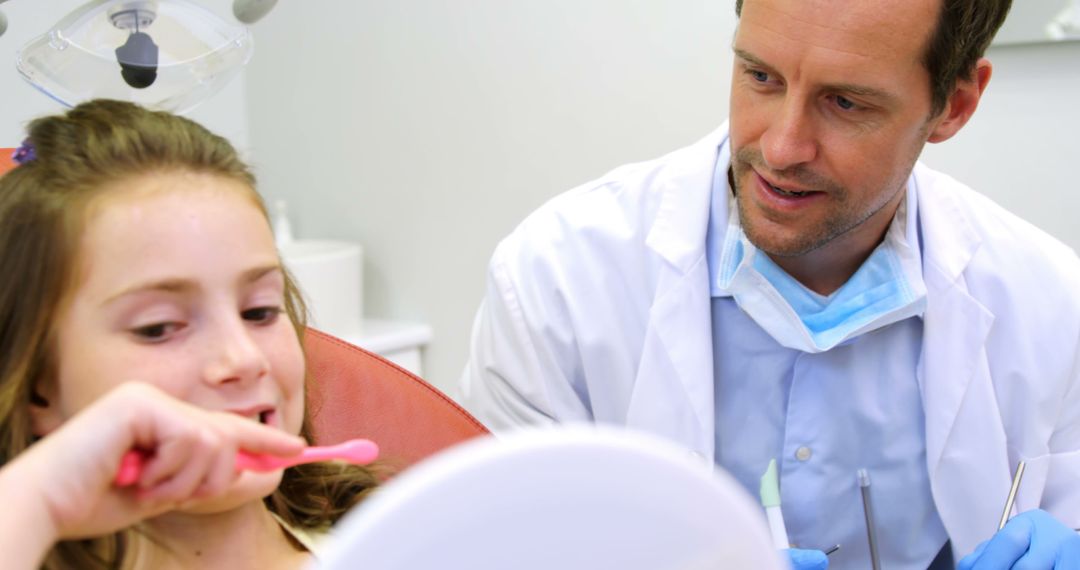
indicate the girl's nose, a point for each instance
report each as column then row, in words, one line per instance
column 233, row 355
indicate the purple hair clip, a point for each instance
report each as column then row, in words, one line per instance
column 25, row 153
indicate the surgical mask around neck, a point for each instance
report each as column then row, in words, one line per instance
column 887, row 288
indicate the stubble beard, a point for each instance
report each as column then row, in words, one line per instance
column 841, row 219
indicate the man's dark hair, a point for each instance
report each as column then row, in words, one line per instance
column 963, row 32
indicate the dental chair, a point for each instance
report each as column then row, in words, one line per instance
column 353, row 393
column 6, row 163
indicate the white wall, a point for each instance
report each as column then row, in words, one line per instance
column 1022, row 147
column 20, row 102
column 427, row 129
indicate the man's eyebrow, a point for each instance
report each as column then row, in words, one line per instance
column 750, row 58
column 852, row 88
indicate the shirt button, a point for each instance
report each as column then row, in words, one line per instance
column 803, row 453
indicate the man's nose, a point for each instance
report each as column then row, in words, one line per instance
column 790, row 139
column 233, row 355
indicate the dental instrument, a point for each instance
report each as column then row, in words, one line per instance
column 868, row 512
column 770, row 499
column 1012, row 495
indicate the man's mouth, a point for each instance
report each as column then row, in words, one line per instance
column 787, row 193
column 782, row 191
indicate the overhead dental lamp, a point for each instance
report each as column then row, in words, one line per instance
column 1066, row 25
column 3, row 21
column 164, row 54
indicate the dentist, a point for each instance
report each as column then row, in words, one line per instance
column 796, row 286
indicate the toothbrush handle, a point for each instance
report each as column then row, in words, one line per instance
column 131, row 466
column 258, row 462
column 359, row 451
column 133, row 462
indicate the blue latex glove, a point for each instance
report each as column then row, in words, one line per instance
column 807, row 559
column 1033, row 540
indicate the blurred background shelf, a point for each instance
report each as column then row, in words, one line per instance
column 399, row 342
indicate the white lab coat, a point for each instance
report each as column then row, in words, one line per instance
column 598, row 309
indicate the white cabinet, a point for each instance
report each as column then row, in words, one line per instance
column 399, row 342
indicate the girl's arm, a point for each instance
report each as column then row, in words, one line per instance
column 62, row 487
column 26, row 529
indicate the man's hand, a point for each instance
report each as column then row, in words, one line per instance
column 807, row 559
column 1033, row 540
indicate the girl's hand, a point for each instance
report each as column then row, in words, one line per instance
column 70, row 472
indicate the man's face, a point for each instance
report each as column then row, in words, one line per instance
column 829, row 111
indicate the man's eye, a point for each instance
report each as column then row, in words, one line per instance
column 759, row 76
column 845, row 103
column 261, row 314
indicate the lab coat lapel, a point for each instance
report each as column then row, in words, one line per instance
column 673, row 391
column 965, row 439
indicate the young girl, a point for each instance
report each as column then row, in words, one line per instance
column 143, row 305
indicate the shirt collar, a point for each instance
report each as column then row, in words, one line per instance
column 902, row 235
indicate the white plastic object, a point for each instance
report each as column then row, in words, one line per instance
column 282, row 227
column 196, row 54
column 330, row 276
column 777, row 529
column 571, row 498
column 251, row 11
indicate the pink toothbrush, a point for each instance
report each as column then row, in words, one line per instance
column 356, row 451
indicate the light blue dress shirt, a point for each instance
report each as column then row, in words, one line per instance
column 823, row 416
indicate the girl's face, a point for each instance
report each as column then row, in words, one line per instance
column 179, row 285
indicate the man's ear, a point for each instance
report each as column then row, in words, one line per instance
column 44, row 408
column 962, row 103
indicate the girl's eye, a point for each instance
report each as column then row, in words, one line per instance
column 156, row 331
column 264, row 315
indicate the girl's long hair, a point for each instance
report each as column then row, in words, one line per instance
column 80, row 155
